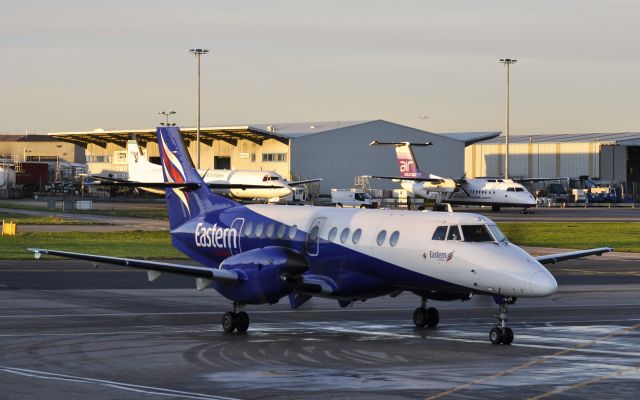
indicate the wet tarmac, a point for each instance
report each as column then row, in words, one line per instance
column 78, row 333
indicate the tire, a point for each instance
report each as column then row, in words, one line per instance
column 242, row 322
column 339, row 205
column 420, row 317
column 495, row 335
column 495, row 209
column 507, row 336
column 363, row 206
column 433, row 317
column 229, row 322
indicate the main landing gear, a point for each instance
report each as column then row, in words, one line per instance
column 235, row 321
column 424, row 316
column 502, row 334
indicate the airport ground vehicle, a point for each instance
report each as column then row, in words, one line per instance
column 259, row 254
column 351, row 198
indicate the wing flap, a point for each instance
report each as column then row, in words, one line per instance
column 554, row 258
column 207, row 274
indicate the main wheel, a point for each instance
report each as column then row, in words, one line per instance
column 339, row 205
column 507, row 336
column 420, row 317
column 433, row 317
column 495, row 208
column 242, row 322
column 495, row 335
column 229, row 321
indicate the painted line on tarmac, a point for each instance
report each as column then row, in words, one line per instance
column 539, row 360
column 112, row 384
column 578, row 385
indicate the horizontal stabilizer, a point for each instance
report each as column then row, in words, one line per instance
column 399, row 178
column 302, row 182
column 377, row 143
column 554, row 258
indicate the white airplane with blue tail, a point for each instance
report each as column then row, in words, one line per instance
column 257, row 254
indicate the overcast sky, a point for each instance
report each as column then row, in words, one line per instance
column 81, row 65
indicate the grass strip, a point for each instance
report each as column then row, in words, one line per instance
column 21, row 219
column 134, row 244
column 622, row 236
column 153, row 212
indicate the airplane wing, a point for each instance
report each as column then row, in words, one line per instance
column 554, row 258
column 204, row 275
column 562, row 178
column 298, row 183
column 160, row 185
column 399, row 178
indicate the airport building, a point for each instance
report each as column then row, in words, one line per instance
column 613, row 157
column 334, row 151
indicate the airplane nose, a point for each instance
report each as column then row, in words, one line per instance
column 543, row 283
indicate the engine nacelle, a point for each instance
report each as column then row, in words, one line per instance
column 267, row 274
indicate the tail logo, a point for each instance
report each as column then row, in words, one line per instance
column 174, row 172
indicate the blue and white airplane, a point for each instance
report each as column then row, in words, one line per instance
column 257, row 254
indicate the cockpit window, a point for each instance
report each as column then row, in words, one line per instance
column 476, row 233
column 519, row 189
column 440, row 233
column 497, row 234
column 511, row 189
column 454, row 233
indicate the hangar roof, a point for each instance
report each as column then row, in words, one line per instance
column 621, row 138
column 256, row 133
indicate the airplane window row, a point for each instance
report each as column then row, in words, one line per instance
column 470, row 233
column 482, row 191
column 270, row 231
column 357, row 234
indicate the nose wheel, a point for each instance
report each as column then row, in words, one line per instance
column 235, row 321
column 423, row 316
column 501, row 333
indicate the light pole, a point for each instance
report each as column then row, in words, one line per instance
column 506, row 62
column 166, row 116
column 197, row 53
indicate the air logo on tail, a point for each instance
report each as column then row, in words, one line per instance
column 173, row 172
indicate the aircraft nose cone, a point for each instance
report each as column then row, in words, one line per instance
column 543, row 283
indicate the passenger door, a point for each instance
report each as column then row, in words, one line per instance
column 313, row 236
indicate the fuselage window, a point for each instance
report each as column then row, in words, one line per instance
column 356, row 236
column 281, row 230
column 259, row 229
column 247, row 229
column 393, row 239
column 381, row 236
column 454, row 233
column 270, row 230
column 476, row 233
column 440, row 233
column 292, row 231
column 344, row 235
column 313, row 234
column 332, row 234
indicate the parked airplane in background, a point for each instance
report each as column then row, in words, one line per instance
column 257, row 254
column 494, row 192
column 239, row 184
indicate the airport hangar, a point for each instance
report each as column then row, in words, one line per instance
column 334, row 151
column 607, row 156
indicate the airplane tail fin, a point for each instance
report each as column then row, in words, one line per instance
column 186, row 203
column 140, row 168
column 407, row 161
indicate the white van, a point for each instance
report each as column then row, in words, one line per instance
column 351, row 198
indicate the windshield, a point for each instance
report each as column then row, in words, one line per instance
column 476, row 233
column 497, row 233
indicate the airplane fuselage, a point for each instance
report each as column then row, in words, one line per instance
column 367, row 253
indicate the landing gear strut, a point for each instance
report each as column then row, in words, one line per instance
column 423, row 316
column 501, row 333
column 235, row 321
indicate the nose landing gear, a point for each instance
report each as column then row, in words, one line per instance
column 501, row 333
column 423, row 316
column 235, row 321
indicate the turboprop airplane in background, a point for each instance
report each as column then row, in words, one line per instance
column 258, row 253
column 494, row 192
column 239, row 184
